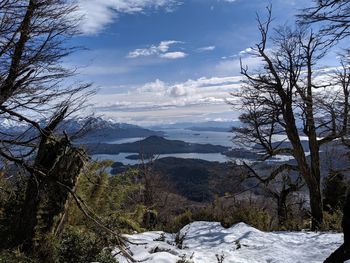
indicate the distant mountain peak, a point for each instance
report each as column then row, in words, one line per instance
column 155, row 138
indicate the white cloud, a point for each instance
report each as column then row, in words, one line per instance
column 165, row 45
column 143, row 52
column 247, row 51
column 232, row 66
column 181, row 91
column 203, row 49
column 160, row 50
column 158, row 87
column 173, row 55
column 99, row 13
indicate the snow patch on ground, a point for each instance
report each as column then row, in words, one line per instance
column 205, row 242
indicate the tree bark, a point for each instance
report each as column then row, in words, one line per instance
column 282, row 212
column 310, row 175
column 315, row 205
column 46, row 200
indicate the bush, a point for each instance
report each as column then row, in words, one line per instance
column 334, row 191
column 11, row 199
column 183, row 219
column 79, row 246
column 7, row 256
column 332, row 221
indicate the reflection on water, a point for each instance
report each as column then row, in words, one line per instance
column 127, row 140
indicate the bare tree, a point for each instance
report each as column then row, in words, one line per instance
column 34, row 85
column 35, row 91
column 333, row 15
column 279, row 185
column 287, row 97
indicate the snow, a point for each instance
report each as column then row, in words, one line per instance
column 205, row 241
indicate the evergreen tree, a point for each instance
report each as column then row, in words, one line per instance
column 334, row 191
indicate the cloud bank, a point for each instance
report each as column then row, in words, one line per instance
column 158, row 101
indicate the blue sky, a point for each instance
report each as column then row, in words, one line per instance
column 165, row 61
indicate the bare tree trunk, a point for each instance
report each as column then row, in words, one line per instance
column 316, row 205
column 310, row 130
column 46, row 200
column 282, row 209
column 310, row 175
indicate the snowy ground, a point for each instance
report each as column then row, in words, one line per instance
column 208, row 242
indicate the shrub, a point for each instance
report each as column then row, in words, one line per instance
column 79, row 246
column 334, row 191
column 7, row 256
column 180, row 221
column 332, row 221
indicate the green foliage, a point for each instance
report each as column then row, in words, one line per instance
column 48, row 250
column 332, row 221
column 182, row 220
column 79, row 246
column 294, row 223
column 251, row 215
column 115, row 201
column 81, row 241
column 12, row 193
column 250, row 212
column 334, row 191
column 109, row 198
column 7, row 256
column 105, row 256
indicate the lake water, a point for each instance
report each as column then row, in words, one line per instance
column 201, row 137
column 213, row 157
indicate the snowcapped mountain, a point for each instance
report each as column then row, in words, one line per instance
column 209, row 242
column 92, row 129
column 8, row 124
column 75, row 124
column 102, row 130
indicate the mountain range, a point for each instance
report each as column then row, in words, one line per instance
column 85, row 130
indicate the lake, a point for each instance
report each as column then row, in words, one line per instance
column 213, row 157
column 201, row 137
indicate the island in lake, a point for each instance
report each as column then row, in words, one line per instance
column 154, row 145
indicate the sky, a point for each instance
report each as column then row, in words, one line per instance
column 168, row 61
